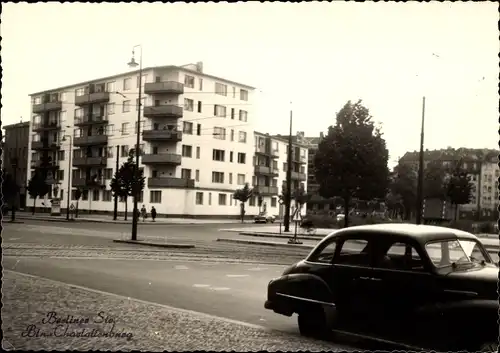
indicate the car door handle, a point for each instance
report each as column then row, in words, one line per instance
column 370, row 278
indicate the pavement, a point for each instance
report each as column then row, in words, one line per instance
column 109, row 219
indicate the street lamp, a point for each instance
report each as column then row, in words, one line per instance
column 133, row 63
column 70, row 169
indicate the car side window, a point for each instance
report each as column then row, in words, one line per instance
column 401, row 256
column 355, row 252
column 326, row 254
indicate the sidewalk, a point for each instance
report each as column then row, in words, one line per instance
column 109, row 219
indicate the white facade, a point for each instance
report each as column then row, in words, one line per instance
column 489, row 185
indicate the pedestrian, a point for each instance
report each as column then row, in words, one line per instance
column 153, row 213
column 144, row 213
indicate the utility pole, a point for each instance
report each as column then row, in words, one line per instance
column 115, row 211
column 70, row 172
column 288, row 198
column 15, row 163
column 420, row 186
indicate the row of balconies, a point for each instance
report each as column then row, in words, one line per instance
column 44, row 126
column 152, row 182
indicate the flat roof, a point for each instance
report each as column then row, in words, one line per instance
column 172, row 67
column 16, row 125
column 279, row 138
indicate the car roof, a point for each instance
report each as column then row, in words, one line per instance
column 420, row 233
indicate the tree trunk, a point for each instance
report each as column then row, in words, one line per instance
column 34, row 204
column 346, row 212
column 76, row 210
column 242, row 212
column 126, row 208
column 456, row 212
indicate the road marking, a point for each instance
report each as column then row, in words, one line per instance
column 257, row 269
column 168, row 307
column 14, row 238
column 181, row 267
column 237, row 275
column 220, row 288
column 201, row 285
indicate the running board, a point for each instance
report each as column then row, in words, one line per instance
column 380, row 340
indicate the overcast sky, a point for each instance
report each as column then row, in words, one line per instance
column 317, row 55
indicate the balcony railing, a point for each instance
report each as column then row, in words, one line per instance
column 91, row 140
column 88, row 183
column 161, row 158
column 170, row 183
column 260, row 169
column 90, row 161
column 299, row 176
column 92, row 98
column 45, row 107
column 92, row 119
column 162, row 135
column 266, row 190
column 51, row 125
column 168, row 110
column 44, row 144
column 164, row 87
column 273, row 153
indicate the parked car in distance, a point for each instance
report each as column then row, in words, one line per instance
column 264, row 218
column 424, row 286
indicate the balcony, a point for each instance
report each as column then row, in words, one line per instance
column 162, row 158
column 300, row 159
column 45, row 145
column 46, row 107
column 52, row 125
column 41, row 165
column 267, row 152
column 168, row 110
column 91, row 140
column 263, row 170
column 89, row 162
column 266, row 190
column 299, row 176
column 162, row 135
column 164, row 87
column 170, row 183
column 88, row 183
column 91, row 119
column 92, row 98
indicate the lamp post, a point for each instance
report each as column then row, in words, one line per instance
column 70, row 169
column 135, row 189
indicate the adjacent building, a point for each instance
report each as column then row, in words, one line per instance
column 15, row 156
column 197, row 141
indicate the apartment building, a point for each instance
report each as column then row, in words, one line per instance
column 271, row 163
column 196, row 139
column 15, row 148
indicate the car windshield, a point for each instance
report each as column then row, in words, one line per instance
column 454, row 252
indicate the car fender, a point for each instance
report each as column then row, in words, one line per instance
column 306, row 287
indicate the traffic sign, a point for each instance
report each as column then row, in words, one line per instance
column 297, row 216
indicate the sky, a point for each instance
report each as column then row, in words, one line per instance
column 310, row 58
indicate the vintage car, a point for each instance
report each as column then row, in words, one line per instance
column 264, row 218
column 421, row 286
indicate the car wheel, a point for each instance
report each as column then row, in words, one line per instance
column 489, row 347
column 313, row 323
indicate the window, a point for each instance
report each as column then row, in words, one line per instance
column 243, row 115
column 188, row 104
column 251, row 202
column 232, row 113
column 199, row 198
column 109, row 152
column 222, row 199
column 220, row 111
column 110, row 86
column 242, row 158
column 185, row 173
column 197, row 175
column 200, row 84
column 198, row 129
column 85, row 195
column 218, row 177
column 60, row 175
column 124, row 151
column 230, row 178
column 108, row 173
column 61, row 155
column 234, row 92
column 187, row 128
column 95, row 195
column 209, row 198
column 355, row 252
column 107, row 195
column 124, row 128
column 231, row 156
column 199, row 107
column 110, row 108
column 325, row 253
column 241, row 179
column 187, row 151
column 445, row 253
column 232, row 135
column 242, row 136
column 188, row 81
column 243, row 94
column 273, row 201
column 127, row 84
column 126, row 106
column 219, row 133
column 220, row 89
column 198, row 152
column 78, row 92
column 218, row 155
column 155, row 196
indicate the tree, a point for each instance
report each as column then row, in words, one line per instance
column 37, row 187
column 434, row 181
column 125, row 182
column 403, row 190
column 351, row 161
column 78, row 195
column 458, row 188
column 243, row 195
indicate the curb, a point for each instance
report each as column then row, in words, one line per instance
column 112, row 222
column 252, row 242
column 141, row 242
column 287, row 236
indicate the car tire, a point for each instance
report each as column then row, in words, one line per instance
column 312, row 323
column 489, row 347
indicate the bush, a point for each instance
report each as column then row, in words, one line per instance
column 319, row 221
column 463, row 224
column 485, row 227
